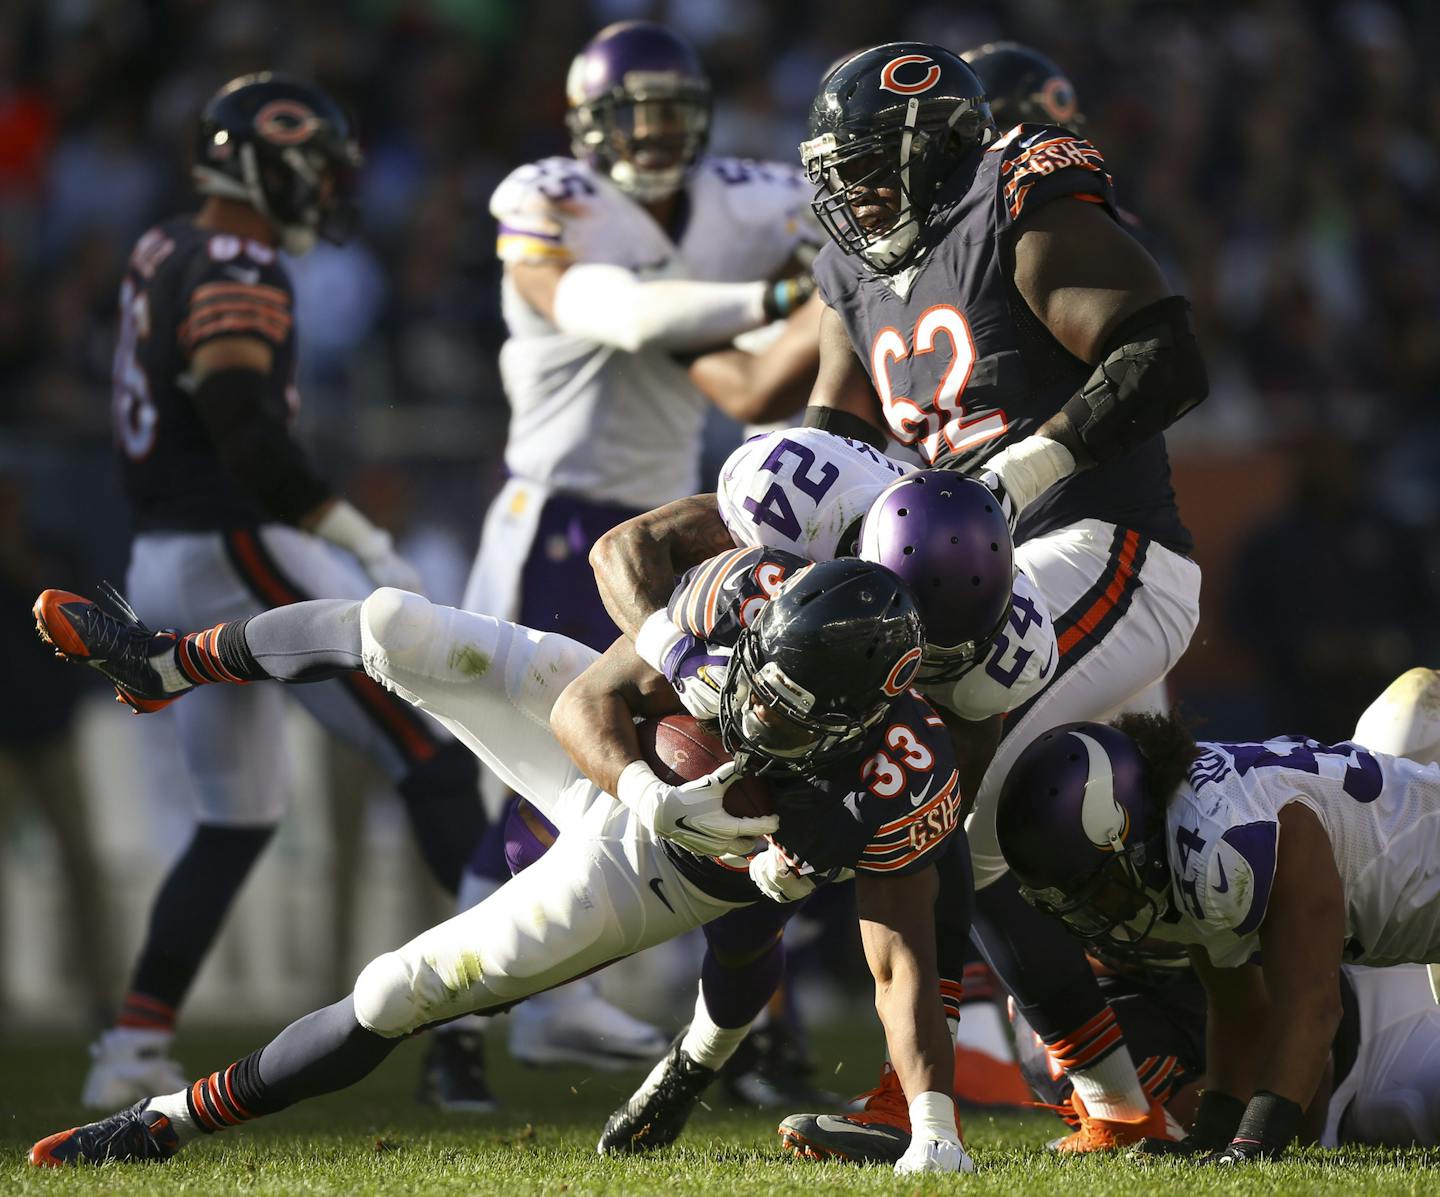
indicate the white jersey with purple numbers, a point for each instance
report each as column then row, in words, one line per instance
column 1381, row 813
column 593, row 420
column 804, row 489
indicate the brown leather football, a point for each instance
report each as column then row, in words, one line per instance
column 680, row 750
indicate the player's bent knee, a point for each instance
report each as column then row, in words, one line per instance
column 386, row 997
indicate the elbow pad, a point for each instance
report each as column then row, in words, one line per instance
column 844, row 423
column 247, row 427
column 1150, row 374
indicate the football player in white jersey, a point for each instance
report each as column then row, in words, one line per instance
column 621, row 262
column 1275, row 861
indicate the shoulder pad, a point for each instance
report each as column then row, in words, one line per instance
column 1039, row 163
column 533, row 204
column 718, row 598
column 234, row 287
column 801, row 489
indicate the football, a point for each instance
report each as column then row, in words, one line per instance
column 679, row 750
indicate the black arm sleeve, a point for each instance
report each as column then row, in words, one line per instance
column 843, row 423
column 1150, row 374
column 247, row 428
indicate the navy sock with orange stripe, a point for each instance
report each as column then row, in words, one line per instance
column 218, row 654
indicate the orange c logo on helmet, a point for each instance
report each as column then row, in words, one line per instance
column 1057, row 97
column 888, row 81
column 903, row 673
column 286, row 122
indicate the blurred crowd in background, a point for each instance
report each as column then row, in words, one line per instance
column 1283, row 156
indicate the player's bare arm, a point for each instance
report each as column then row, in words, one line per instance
column 1237, row 1013
column 1104, row 299
column 1301, row 939
column 594, row 717
column 897, row 931
column 758, row 388
column 843, row 400
column 636, row 563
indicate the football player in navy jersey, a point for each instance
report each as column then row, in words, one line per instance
column 231, row 518
column 985, row 305
column 812, row 666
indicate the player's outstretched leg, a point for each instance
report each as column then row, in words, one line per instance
column 1405, row 719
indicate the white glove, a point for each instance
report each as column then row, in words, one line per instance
column 934, row 1155
column 343, row 525
column 692, row 815
column 778, row 877
column 1020, row 473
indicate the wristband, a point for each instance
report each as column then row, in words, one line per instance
column 1216, row 1120
column 657, row 636
column 932, row 1116
column 635, row 788
column 1030, row 467
column 1271, row 1121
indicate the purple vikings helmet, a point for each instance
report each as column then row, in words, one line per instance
column 1082, row 836
column 946, row 537
column 639, row 108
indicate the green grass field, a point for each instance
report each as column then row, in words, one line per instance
column 375, row 1140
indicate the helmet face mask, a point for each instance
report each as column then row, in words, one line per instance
column 950, row 662
column 639, row 108
column 285, row 148
column 877, row 158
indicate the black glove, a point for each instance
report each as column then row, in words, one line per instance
column 1267, row 1129
column 1216, row 1123
column 787, row 295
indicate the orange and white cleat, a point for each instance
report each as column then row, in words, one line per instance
column 878, row 1132
column 118, row 645
column 1110, row 1134
column 986, row 1082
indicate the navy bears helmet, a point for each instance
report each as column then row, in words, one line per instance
column 1024, row 87
column 888, row 126
column 287, row 149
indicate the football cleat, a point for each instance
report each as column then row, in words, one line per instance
column 877, row 1132
column 453, row 1075
column 119, row 645
column 1109, row 1134
column 130, row 1063
column 575, row 1025
column 658, row 1111
column 132, row 1136
column 985, row 1082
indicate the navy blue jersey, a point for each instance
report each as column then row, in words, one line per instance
column 185, row 286
column 960, row 363
column 889, row 809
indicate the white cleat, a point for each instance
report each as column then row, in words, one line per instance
column 130, row 1064
column 575, row 1025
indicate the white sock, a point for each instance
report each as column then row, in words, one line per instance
column 982, row 1029
column 707, row 1044
column 176, row 1108
column 168, row 668
column 1110, row 1089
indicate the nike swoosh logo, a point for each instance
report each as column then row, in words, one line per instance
column 917, row 799
column 1224, row 886
column 1029, row 141
column 828, row 1122
column 655, row 885
column 249, row 277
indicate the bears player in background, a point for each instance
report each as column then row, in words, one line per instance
column 813, row 665
column 230, row 518
column 621, row 262
column 985, row 305
column 1276, row 862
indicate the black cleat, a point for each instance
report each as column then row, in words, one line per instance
column 657, row 1111
column 118, row 645
column 133, row 1136
column 453, row 1075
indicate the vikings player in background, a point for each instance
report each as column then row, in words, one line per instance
column 621, row 262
